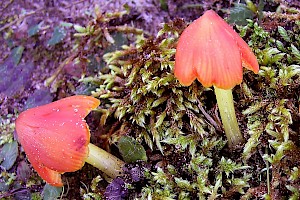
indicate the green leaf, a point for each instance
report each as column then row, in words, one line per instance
column 182, row 142
column 183, row 184
column 16, row 54
column 280, row 45
column 239, row 14
column 251, row 6
column 271, row 55
column 228, row 166
column 260, row 7
column 159, row 101
column 295, row 174
column 283, row 33
column 9, row 154
column 58, row 35
column 33, row 30
column 295, row 192
column 160, row 119
column 51, row 192
column 66, row 24
column 79, row 29
column 295, row 52
column 255, row 131
column 253, row 108
column 131, row 150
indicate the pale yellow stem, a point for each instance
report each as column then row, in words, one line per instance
column 227, row 112
column 106, row 162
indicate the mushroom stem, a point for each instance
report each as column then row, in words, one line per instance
column 226, row 108
column 106, row 162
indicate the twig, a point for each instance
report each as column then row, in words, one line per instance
column 208, row 117
column 75, row 3
column 290, row 17
column 32, row 13
column 19, row 19
column 50, row 80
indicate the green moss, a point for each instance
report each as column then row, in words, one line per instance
column 6, row 129
column 36, row 196
column 141, row 87
column 272, row 117
column 92, row 192
column 141, row 97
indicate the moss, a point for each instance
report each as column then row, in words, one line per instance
column 6, row 129
column 138, row 89
column 179, row 126
column 36, row 196
column 272, row 116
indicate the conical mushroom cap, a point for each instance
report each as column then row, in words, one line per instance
column 55, row 136
column 211, row 51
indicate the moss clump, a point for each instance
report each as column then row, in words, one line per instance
column 272, row 108
column 6, row 129
column 141, row 98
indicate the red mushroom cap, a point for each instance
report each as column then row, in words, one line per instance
column 211, row 51
column 55, row 136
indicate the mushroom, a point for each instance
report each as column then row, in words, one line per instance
column 56, row 139
column 211, row 51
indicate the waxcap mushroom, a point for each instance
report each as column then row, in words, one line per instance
column 211, row 51
column 55, row 136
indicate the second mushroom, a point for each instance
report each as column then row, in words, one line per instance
column 211, row 51
column 56, row 139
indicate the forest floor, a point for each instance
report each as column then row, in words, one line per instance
column 43, row 60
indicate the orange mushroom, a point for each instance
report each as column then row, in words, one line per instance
column 56, row 139
column 211, row 51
